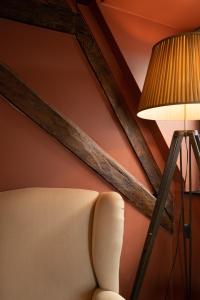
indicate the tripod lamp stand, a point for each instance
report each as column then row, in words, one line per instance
column 171, row 92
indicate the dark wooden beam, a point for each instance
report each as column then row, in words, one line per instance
column 74, row 139
column 114, row 96
column 57, row 15
column 84, row 2
column 51, row 14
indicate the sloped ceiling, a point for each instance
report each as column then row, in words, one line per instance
column 137, row 25
column 182, row 15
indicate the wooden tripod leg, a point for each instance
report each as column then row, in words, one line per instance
column 158, row 210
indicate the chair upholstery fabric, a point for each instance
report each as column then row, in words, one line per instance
column 60, row 244
column 106, row 295
column 107, row 239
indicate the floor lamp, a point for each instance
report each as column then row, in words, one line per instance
column 171, row 92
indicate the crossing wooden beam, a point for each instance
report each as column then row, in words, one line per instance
column 57, row 15
column 73, row 138
column 50, row 14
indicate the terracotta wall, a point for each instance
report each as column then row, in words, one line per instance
column 53, row 65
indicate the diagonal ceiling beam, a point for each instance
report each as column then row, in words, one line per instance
column 114, row 96
column 74, row 139
column 127, row 120
column 51, row 14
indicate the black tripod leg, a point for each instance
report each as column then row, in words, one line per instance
column 195, row 142
column 158, row 211
column 190, row 223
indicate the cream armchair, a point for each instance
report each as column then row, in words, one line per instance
column 60, row 244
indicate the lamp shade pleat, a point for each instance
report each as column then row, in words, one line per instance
column 172, row 86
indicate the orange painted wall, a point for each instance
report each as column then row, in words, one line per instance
column 53, row 65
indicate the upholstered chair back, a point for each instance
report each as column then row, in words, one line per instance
column 59, row 244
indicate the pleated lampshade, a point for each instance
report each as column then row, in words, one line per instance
column 172, row 86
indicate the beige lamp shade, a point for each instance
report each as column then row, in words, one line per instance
column 172, row 86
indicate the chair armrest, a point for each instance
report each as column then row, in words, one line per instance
column 106, row 295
